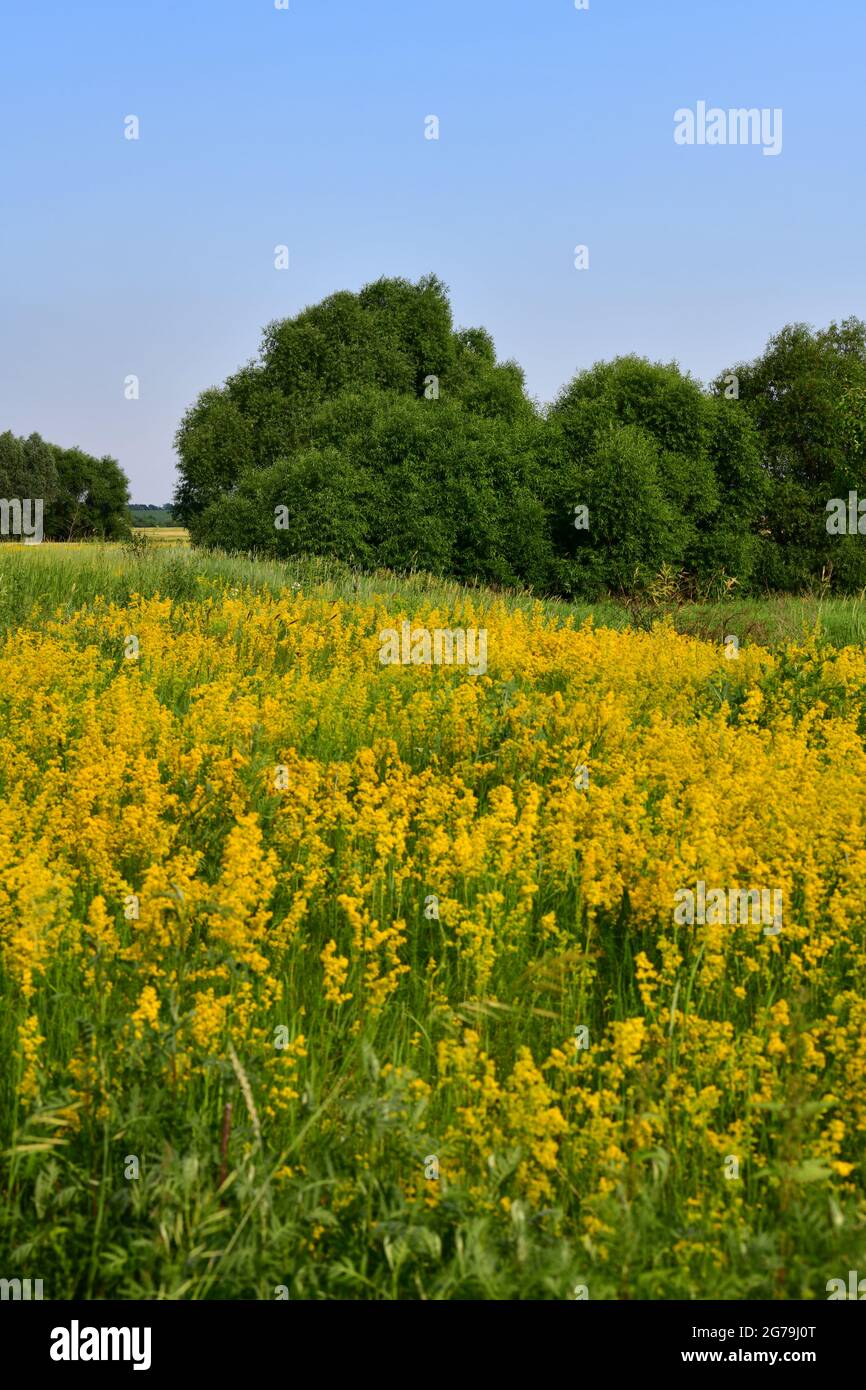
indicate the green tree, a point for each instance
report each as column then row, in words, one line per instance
column 92, row 498
column 628, row 528
column 27, row 468
column 393, row 337
column 215, row 442
column 82, row 496
column 402, row 482
column 806, row 395
column 12, row 466
column 41, row 478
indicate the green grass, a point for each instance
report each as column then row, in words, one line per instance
column 57, row 577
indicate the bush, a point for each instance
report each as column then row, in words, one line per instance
column 397, row 482
column 394, row 440
column 806, row 395
column 632, row 528
column 322, row 498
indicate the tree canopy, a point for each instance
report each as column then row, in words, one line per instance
column 82, row 496
column 370, row 428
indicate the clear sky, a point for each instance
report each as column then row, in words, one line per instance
column 306, row 127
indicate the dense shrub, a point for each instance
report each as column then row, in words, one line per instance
column 392, row 337
column 693, row 463
column 632, row 528
column 807, row 397
column 388, row 438
column 378, row 486
column 324, row 500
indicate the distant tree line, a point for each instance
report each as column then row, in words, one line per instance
column 371, row 430
column 82, row 497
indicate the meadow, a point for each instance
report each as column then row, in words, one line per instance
column 328, row 978
column 162, row 535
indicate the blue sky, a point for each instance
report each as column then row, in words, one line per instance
column 305, row 127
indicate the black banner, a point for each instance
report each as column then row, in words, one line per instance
column 59, row 1340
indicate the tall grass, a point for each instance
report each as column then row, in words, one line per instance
column 38, row 581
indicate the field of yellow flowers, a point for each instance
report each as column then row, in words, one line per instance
column 324, row 977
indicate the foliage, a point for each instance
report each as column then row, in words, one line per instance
column 82, row 496
column 807, row 396
column 390, row 438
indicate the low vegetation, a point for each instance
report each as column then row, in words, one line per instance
column 325, row 977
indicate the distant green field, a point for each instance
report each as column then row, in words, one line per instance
column 150, row 516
